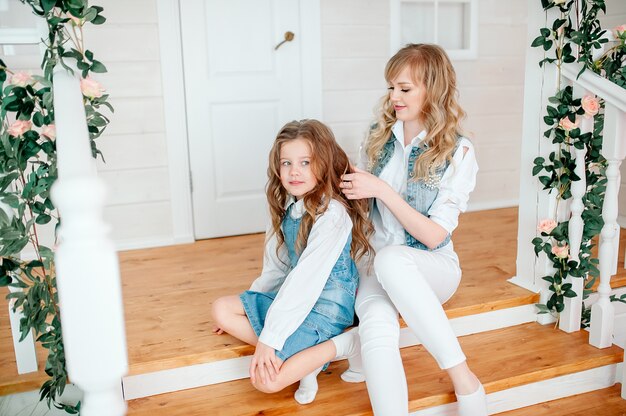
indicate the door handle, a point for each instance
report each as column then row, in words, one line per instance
column 288, row 38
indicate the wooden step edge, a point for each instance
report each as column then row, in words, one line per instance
column 605, row 402
column 23, row 383
column 532, row 356
column 240, row 350
column 531, row 377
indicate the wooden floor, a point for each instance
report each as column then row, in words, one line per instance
column 168, row 292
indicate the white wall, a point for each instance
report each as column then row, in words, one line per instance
column 134, row 145
column 355, row 48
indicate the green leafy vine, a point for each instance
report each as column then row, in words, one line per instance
column 28, row 171
column 575, row 36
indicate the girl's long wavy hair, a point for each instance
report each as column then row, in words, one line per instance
column 328, row 163
column 441, row 113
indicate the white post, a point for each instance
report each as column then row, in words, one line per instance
column 570, row 318
column 86, row 263
column 613, row 149
column 535, row 204
column 25, row 355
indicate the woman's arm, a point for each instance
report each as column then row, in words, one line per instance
column 362, row 184
column 456, row 184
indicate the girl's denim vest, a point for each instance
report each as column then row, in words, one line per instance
column 420, row 193
column 337, row 299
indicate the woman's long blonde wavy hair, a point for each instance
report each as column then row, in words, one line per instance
column 328, row 163
column 441, row 113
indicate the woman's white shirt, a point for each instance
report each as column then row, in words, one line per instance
column 300, row 288
column 454, row 189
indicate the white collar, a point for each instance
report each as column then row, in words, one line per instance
column 398, row 131
column 298, row 206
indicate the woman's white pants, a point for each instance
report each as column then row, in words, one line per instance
column 415, row 283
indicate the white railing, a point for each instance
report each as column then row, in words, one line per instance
column 88, row 279
column 614, row 150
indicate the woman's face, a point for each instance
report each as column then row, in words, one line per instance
column 406, row 96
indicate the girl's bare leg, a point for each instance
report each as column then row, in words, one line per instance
column 298, row 366
column 230, row 317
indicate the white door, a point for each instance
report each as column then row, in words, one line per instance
column 239, row 91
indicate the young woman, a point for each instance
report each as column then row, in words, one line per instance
column 305, row 294
column 420, row 170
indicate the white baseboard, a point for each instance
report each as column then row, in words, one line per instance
column 140, row 243
column 539, row 392
column 166, row 381
column 485, row 205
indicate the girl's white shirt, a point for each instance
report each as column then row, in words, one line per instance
column 300, row 288
column 454, row 189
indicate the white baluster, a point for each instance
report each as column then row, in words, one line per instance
column 614, row 150
column 25, row 355
column 87, row 268
column 570, row 318
column 602, row 313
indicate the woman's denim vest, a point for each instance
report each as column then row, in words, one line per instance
column 420, row 193
column 337, row 299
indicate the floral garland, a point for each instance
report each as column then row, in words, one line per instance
column 28, row 170
column 577, row 29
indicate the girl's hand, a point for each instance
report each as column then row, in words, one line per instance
column 217, row 330
column 361, row 184
column 265, row 360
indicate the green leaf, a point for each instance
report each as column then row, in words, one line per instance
column 43, row 219
column 47, row 5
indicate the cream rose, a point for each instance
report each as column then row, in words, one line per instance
column 567, row 125
column 559, row 1
column 561, row 251
column 49, row 131
column 21, row 79
column 19, row 127
column 591, row 105
column 546, row 226
column 91, row 88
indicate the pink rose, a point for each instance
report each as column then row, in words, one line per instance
column 21, row 79
column 546, row 226
column 561, row 251
column 91, row 88
column 619, row 30
column 19, row 127
column 591, row 105
column 567, row 125
column 49, row 131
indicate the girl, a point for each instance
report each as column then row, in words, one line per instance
column 420, row 171
column 305, row 294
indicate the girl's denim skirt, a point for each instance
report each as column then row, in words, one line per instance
column 315, row 329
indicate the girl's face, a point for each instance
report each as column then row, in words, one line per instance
column 406, row 96
column 296, row 174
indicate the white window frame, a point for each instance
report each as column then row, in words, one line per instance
column 471, row 52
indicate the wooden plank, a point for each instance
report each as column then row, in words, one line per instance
column 502, row 359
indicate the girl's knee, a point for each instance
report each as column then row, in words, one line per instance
column 220, row 309
column 269, row 387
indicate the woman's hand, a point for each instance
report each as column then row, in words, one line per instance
column 265, row 360
column 361, row 184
